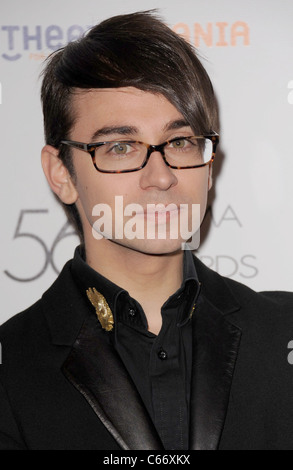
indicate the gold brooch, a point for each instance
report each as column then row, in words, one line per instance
column 103, row 310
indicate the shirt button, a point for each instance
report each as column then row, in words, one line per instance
column 132, row 312
column 162, row 354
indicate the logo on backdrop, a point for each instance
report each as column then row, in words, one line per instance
column 17, row 40
column 20, row 40
column 26, row 231
column 226, row 264
column 218, row 34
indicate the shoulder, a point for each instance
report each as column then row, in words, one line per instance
column 247, row 294
column 27, row 332
column 267, row 315
column 25, row 341
column 232, row 296
column 27, row 322
column 214, row 282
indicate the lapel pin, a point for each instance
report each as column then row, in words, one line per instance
column 103, row 310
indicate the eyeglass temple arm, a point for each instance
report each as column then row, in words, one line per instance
column 78, row 145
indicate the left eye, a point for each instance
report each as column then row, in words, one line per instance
column 179, row 144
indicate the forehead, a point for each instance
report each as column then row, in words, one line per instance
column 130, row 106
column 122, row 95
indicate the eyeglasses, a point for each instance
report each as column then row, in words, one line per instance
column 124, row 156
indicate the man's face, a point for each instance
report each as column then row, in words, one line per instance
column 152, row 119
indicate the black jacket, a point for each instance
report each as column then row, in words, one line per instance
column 63, row 387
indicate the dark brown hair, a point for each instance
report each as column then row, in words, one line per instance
column 136, row 50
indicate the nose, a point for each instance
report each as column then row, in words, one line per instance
column 156, row 174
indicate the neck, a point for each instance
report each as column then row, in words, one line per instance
column 149, row 279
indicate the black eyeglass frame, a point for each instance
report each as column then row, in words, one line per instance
column 90, row 148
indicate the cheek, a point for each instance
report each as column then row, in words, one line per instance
column 89, row 189
column 99, row 188
column 196, row 185
column 89, row 196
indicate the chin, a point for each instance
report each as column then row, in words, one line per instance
column 152, row 247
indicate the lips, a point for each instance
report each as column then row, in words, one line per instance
column 156, row 213
column 159, row 213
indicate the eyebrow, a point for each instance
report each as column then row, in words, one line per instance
column 132, row 130
column 108, row 130
column 176, row 124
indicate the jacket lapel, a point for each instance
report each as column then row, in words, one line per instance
column 215, row 346
column 96, row 370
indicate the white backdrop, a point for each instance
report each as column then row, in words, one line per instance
column 247, row 48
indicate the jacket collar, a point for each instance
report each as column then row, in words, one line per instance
column 64, row 308
column 98, row 373
column 215, row 289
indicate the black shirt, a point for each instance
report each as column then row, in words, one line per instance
column 159, row 365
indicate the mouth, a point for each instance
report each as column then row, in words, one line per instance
column 160, row 213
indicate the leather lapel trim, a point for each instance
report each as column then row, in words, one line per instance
column 97, row 372
column 215, row 346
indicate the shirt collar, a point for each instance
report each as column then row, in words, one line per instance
column 189, row 271
column 86, row 277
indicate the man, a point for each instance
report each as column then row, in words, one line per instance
column 138, row 345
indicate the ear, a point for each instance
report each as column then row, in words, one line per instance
column 58, row 176
column 210, row 176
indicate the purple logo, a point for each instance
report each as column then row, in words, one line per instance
column 16, row 39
